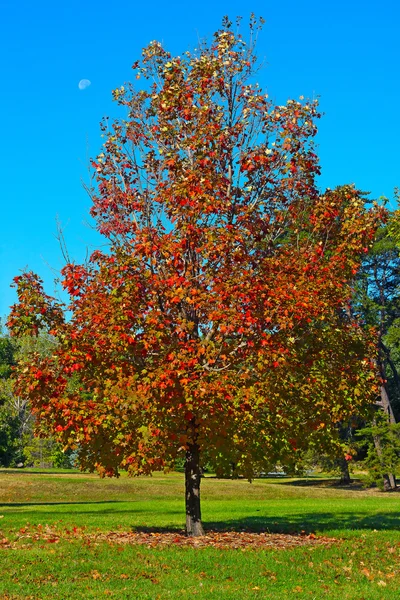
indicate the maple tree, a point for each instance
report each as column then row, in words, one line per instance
column 215, row 326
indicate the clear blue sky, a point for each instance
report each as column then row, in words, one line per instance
column 346, row 52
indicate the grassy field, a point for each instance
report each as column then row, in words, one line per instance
column 55, row 542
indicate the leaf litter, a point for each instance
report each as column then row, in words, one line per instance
column 243, row 540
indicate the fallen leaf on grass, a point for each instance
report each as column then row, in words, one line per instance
column 367, row 573
column 95, row 575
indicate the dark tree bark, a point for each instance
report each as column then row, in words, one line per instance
column 391, row 363
column 385, row 400
column 389, row 479
column 389, row 482
column 345, row 478
column 386, row 405
column 192, row 486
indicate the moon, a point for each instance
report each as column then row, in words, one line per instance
column 83, row 84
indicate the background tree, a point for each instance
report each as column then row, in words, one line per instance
column 9, row 425
column 378, row 302
column 18, row 446
column 213, row 327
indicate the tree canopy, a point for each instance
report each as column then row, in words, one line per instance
column 215, row 326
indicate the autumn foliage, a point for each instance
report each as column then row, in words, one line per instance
column 215, row 325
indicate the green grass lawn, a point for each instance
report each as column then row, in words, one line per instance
column 364, row 562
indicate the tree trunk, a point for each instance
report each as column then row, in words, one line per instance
column 389, row 479
column 192, row 487
column 389, row 482
column 345, row 478
column 386, row 405
column 391, row 364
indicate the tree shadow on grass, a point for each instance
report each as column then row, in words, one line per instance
column 61, row 503
column 156, row 530
column 62, row 472
column 294, row 524
column 297, row 523
column 355, row 486
column 46, row 511
column 311, row 522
